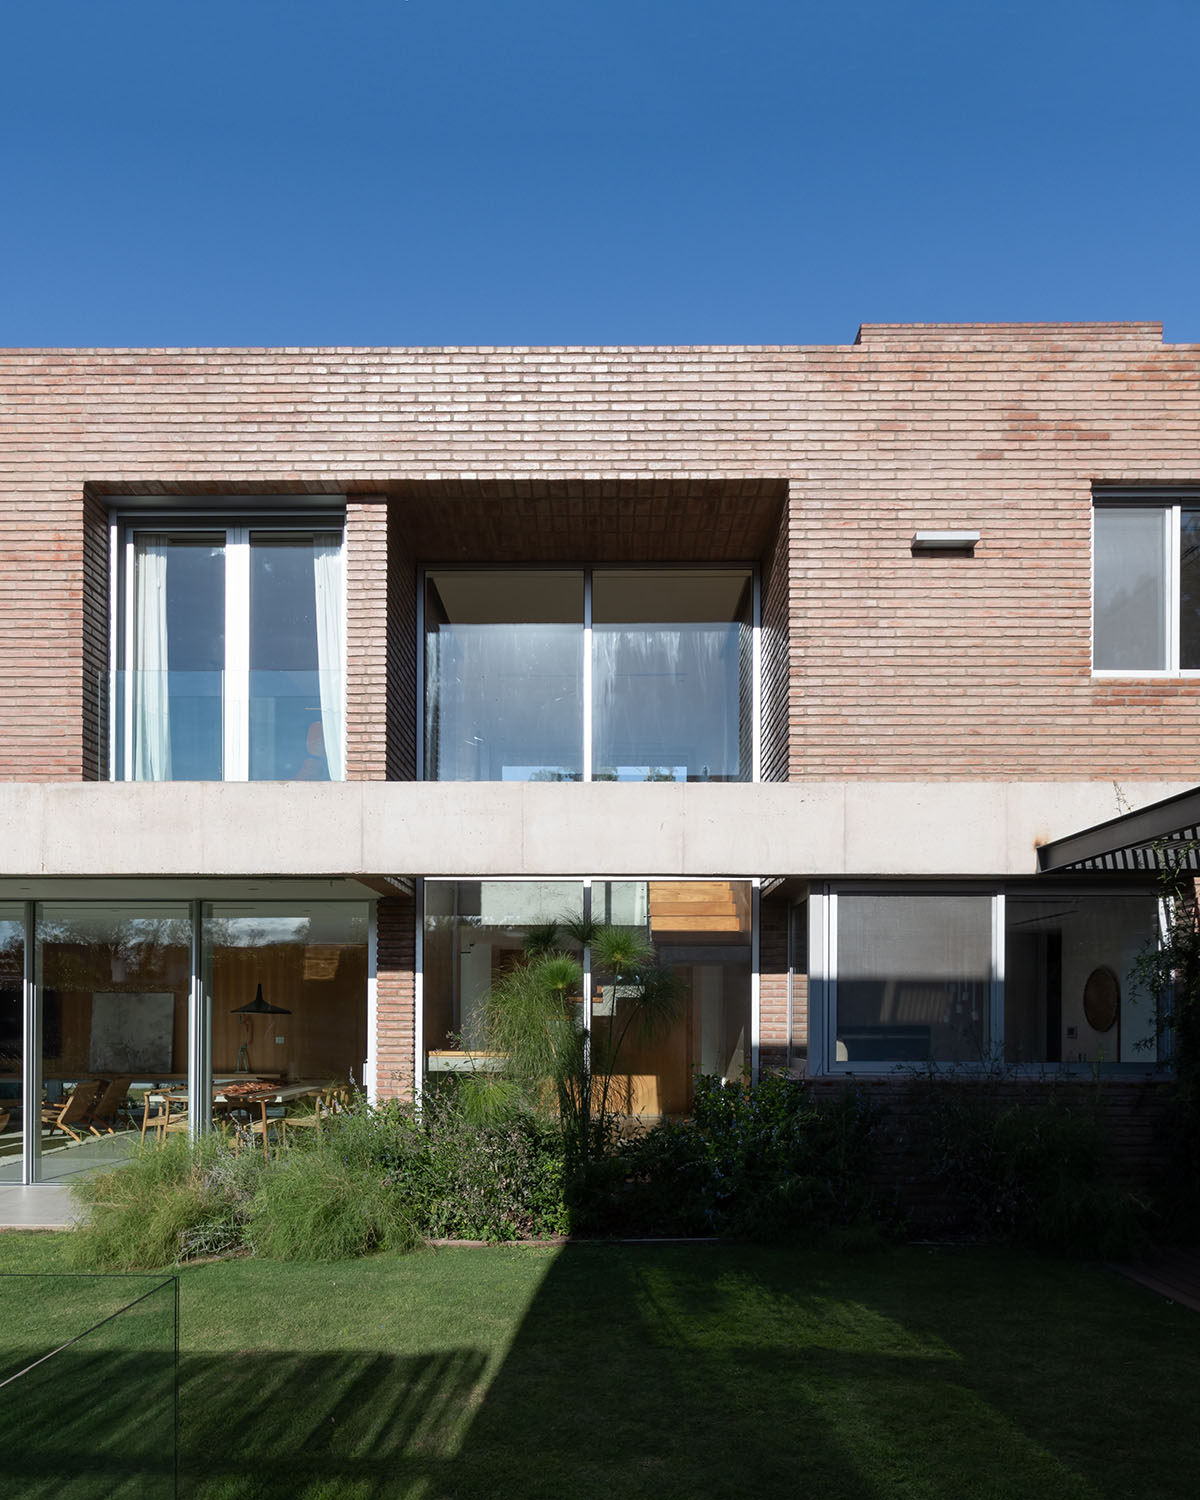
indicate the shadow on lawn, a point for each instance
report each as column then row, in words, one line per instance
column 678, row 1373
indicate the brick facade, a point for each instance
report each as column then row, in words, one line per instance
column 899, row 666
column 817, row 464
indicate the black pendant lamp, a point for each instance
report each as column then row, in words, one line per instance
column 259, row 1007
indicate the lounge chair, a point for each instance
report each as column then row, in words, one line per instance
column 77, row 1109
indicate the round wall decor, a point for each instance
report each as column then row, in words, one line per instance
column 1102, row 999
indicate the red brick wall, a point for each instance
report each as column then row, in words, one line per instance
column 366, row 638
column 772, row 985
column 395, row 991
column 900, row 667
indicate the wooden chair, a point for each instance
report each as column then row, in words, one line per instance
column 112, row 1103
column 330, row 1101
column 77, row 1109
column 170, row 1115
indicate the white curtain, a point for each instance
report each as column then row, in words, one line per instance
column 331, row 646
column 151, row 691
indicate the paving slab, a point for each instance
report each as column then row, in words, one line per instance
column 46, row 1207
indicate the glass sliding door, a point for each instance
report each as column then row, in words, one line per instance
column 475, row 932
column 113, row 986
column 310, row 961
column 504, row 676
column 296, row 650
column 12, row 1038
column 174, row 713
column 672, row 676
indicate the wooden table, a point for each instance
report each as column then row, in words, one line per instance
column 266, row 1096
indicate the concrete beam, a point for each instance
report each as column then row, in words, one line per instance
column 496, row 829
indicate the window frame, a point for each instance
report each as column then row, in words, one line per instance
column 589, row 570
column 823, row 941
column 238, row 528
column 1170, row 504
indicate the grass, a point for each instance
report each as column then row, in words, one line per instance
column 673, row 1371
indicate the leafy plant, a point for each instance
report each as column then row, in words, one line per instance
column 533, row 1017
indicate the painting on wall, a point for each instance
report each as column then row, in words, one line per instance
column 132, row 1033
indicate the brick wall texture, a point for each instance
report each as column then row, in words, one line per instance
column 898, row 667
column 395, row 991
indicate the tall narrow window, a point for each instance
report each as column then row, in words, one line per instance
column 671, row 676
column 233, row 652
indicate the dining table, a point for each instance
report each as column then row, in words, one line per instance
column 249, row 1094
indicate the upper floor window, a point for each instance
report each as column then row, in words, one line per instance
column 589, row 675
column 230, row 653
column 1146, row 587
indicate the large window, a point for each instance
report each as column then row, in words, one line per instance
column 592, row 675
column 475, row 932
column 974, row 976
column 230, row 652
column 1146, row 587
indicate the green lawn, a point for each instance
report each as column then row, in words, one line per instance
column 622, row 1371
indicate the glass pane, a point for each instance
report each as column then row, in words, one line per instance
column 474, row 932
column 700, row 930
column 178, row 657
column 1129, row 588
column 12, row 1034
column 310, row 960
column 1054, row 945
column 671, row 676
column 1189, row 589
column 503, row 676
column 113, row 986
column 913, row 978
column 296, row 658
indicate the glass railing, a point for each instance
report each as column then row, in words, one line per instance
column 89, row 1386
column 224, row 726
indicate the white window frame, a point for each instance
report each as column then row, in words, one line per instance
column 235, row 715
column 1172, row 507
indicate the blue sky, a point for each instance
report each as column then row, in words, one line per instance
column 591, row 171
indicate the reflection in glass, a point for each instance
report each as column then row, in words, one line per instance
column 178, row 657
column 503, row 676
column 913, row 978
column 672, row 676
column 475, row 932
column 311, row 960
column 12, row 1043
column 113, row 983
column 296, row 652
column 1052, row 944
column 1130, row 588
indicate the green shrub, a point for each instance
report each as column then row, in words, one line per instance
column 172, row 1201
column 311, row 1206
column 769, row 1162
column 457, row 1177
column 1035, row 1172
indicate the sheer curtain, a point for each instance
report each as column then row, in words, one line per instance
column 331, row 646
column 151, row 687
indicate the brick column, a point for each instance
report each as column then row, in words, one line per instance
column 366, row 638
column 395, row 994
column 772, row 986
